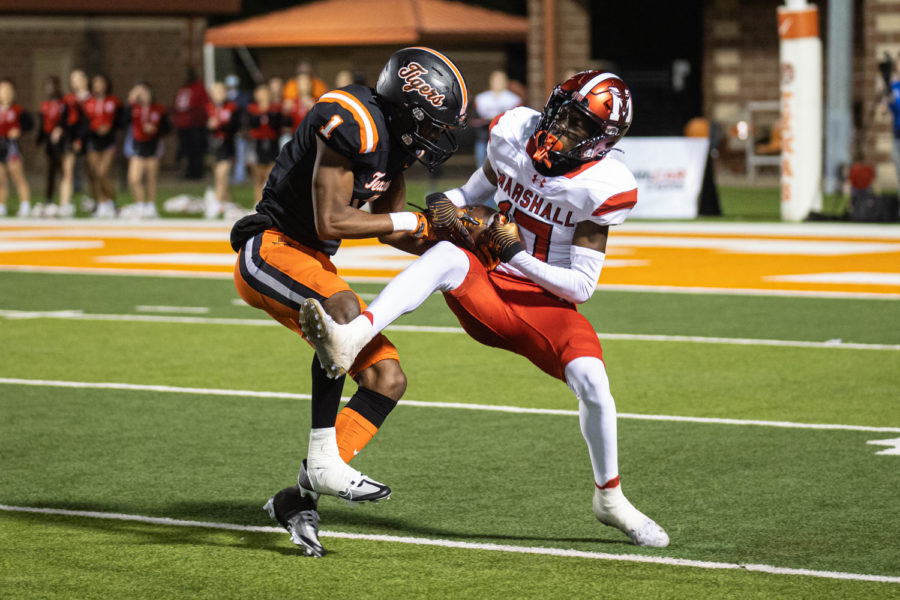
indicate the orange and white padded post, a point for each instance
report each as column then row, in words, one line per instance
column 801, row 110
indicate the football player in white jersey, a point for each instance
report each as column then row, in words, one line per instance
column 552, row 173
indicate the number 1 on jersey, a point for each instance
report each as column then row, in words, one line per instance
column 327, row 128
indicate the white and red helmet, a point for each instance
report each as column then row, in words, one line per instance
column 583, row 119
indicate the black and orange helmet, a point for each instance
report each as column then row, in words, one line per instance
column 425, row 98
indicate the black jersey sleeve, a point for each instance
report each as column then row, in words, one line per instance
column 344, row 124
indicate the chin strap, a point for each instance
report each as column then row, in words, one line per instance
column 550, row 142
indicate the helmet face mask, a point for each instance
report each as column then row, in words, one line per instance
column 425, row 98
column 583, row 119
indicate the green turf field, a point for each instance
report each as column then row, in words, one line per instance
column 790, row 498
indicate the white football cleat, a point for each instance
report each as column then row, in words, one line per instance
column 24, row 209
column 612, row 508
column 66, row 211
column 2, row 210
column 337, row 478
column 336, row 345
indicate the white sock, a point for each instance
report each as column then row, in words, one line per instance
column 586, row 376
column 442, row 268
column 323, row 446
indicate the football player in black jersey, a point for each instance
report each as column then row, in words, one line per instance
column 351, row 148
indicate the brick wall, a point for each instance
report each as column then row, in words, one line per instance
column 126, row 49
column 573, row 44
column 741, row 65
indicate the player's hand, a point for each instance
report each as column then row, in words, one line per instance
column 423, row 227
column 503, row 237
column 444, row 217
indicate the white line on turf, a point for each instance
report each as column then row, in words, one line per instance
column 197, row 310
column 424, row 404
column 539, row 550
column 78, row 315
column 660, row 289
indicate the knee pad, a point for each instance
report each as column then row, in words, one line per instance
column 586, row 376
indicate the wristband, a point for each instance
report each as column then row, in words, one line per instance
column 404, row 221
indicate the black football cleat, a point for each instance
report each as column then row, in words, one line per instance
column 298, row 514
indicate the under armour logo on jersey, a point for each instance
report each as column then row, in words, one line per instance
column 412, row 75
column 534, row 179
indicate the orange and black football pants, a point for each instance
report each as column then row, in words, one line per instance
column 277, row 274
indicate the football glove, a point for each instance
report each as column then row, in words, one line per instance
column 444, row 217
column 503, row 237
column 423, row 227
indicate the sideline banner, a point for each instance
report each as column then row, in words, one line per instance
column 669, row 173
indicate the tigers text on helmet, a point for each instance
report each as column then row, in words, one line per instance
column 583, row 119
column 426, row 98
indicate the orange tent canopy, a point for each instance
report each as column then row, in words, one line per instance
column 371, row 22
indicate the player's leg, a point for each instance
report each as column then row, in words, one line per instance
column 442, row 268
column 336, row 438
column 276, row 274
column 586, row 376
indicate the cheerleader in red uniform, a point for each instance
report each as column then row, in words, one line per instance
column 149, row 122
column 51, row 136
column 264, row 118
column 223, row 124
column 73, row 125
column 103, row 113
column 13, row 122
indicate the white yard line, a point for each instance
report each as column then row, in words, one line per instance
column 659, row 289
column 197, row 310
column 441, row 405
column 78, row 315
column 543, row 551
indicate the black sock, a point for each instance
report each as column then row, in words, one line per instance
column 371, row 405
column 326, row 396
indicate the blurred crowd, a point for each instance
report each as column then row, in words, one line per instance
column 86, row 127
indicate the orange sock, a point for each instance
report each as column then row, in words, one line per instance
column 353, row 432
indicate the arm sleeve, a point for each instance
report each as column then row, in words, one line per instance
column 477, row 190
column 575, row 284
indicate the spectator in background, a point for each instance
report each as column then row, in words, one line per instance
column 189, row 117
column 103, row 113
column 241, row 99
column 50, row 135
column 149, row 122
column 222, row 121
column 276, row 89
column 264, row 119
column 488, row 104
column 14, row 121
column 296, row 108
column 73, row 133
column 303, row 77
column 343, row 78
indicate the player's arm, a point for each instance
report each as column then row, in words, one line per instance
column 477, row 190
column 332, row 194
column 575, row 283
column 393, row 201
